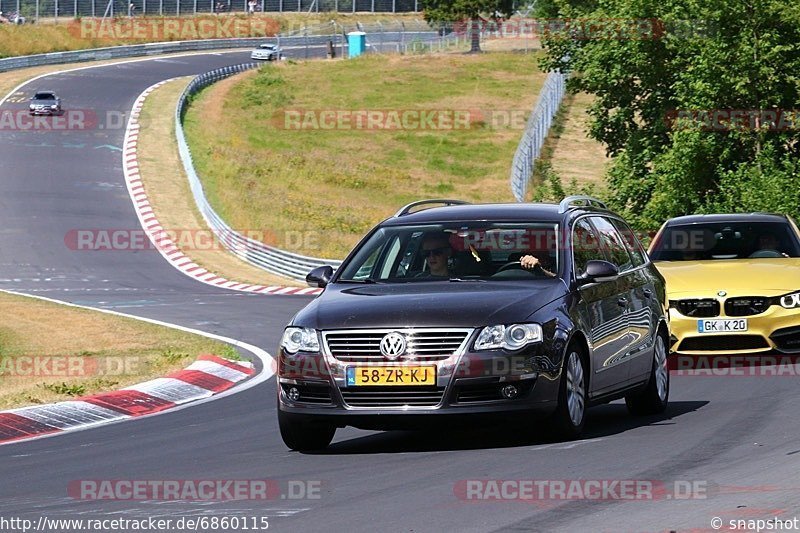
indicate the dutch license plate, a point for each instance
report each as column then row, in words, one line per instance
column 390, row 375
column 722, row 326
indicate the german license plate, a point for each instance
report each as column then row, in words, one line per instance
column 722, row 326
column 390, row 375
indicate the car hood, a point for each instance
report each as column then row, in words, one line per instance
column 737, row 277
column 440, row 304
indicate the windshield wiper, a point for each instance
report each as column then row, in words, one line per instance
column 365, row 281
column 469, row 279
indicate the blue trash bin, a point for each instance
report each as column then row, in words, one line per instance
column 356, row 43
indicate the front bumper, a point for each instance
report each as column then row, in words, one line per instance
column 776, row 328
column 44, row 111
column 466, row 391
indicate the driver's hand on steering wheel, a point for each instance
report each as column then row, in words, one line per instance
column 529, row 262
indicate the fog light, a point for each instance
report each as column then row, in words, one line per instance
column 293, row 394
column 509, row 392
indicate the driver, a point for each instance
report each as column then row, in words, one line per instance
column 769, row 242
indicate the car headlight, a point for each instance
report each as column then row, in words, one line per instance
column 299, row 340
column 54, row 106
column 511, row 337
column 32, row 106
column 790, row 301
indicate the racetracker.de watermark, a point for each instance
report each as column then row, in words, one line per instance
column 173, row 28
column 399, row 119
column 120, row 239
column 723, row 120
column 69, row 366
column 194, row 489
column 735, row 365
column 579, row 489
column 65, row 120
column 588, row 29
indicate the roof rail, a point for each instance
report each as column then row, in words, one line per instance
column 406, row 209
column 579, row 200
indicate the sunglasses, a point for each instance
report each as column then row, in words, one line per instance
column 434, row 251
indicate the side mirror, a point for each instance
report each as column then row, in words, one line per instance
column 320, row 276
column 599, row 271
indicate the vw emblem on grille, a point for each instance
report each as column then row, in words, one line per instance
column 393, row 345
column 722, row 293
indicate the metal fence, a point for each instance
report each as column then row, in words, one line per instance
column 536, row 130
column 65, row 9
column 256, row 253
column 117, row 52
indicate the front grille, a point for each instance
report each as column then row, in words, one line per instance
column 716, row 343
column 421, row 344
column 787, row 339
column 392, row 396
column 698, row 308
column 316, row 394
column 746, row 305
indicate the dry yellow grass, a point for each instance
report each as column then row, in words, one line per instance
column 575, row 156
column 168, row 190
column 88, row 351
column 69, row 34
column 333, row 185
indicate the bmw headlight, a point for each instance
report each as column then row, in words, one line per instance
column 511, row 337
column 54, row 106
column 299, row 340
column 32, row 106
column 790, row 301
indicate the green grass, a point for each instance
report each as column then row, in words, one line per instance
column 335, row 184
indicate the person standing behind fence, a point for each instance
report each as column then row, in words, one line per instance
column 131, row 9
column 251, row 7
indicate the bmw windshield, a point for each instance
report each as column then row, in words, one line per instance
column 457, row 252
column 725, row 240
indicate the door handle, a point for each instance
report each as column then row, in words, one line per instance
column 622, row 302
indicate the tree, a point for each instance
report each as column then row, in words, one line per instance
column 661, row 73
column 449, row 11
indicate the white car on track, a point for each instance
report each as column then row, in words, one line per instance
column 267, row 52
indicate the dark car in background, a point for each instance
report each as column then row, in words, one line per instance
column 434, row 316
column 45, row 103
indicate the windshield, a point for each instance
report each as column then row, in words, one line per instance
column 463, row 251
column 44, row 96
column 725, row 240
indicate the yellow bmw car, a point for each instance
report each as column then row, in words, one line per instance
column 733, row 282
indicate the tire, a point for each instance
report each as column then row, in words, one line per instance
column 655, row 397
column 570, row 416
column 302, row 435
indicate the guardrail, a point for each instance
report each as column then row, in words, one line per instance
column 256, row 253
column 536, row 129
column 150, row 49
column 119, row 52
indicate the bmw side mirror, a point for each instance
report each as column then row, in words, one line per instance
column 320, row 276
column 598, row 271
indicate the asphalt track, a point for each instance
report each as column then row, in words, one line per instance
column 736, row 438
